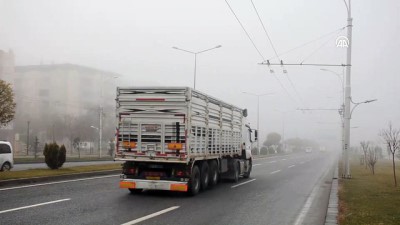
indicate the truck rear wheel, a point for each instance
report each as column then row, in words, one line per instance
column 194, row 185
column 213, row 173
column 247, row 173
column 204, row 175
column 236, row 171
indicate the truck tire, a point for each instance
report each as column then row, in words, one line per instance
column 213, row 173
column 247, row 173
column 194, row 184
column 236, row 171
column 204, row 175
column 135, row 191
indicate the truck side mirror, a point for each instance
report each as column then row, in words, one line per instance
column 245, row 112
column 255, row 135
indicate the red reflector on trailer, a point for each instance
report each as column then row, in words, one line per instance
column 150, row 99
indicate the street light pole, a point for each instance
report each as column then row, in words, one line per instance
column 195, row 59
column 100, row 129
column 258, row 116
column 258, row 124
column 341, row 112
column 347, row 116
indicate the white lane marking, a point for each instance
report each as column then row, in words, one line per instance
column 237, row 185
column 57, row 182
column 310, row 199
column 276, row 171
column 150, row 216
column 270, row 157
column 291, row 166
column 272, row 162
column 257, row 164
column 306, row 207
column 31, row 206
column 283, row 159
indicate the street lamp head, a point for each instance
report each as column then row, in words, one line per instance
column 175, row 47
column 218, row 46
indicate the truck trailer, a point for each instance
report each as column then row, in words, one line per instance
column 179, row 139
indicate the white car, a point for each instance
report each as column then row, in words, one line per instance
column 6, row 156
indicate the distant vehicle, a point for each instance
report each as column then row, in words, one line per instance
column 6, row 156
column 308, row 149
column 179, row 139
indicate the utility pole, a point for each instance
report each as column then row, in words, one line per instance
column 54, row 140
column 258, row 117
column 347, row 115
column 27, row 139
column 36, row 146
column 101, row 130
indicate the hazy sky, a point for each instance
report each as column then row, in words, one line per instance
column 135, row 39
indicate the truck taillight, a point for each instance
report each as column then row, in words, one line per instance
column 179, row 173
column 130, row 171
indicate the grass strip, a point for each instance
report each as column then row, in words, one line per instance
column 62, row 171
column 370, row 199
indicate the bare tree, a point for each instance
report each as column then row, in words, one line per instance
column 391, row 136
column 364, row 147
column 372, row 158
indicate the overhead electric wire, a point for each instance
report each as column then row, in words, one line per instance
column 254, row 45
column 265, row 30
column 251, row 40
column 276, row 53
column 309, row 42
column 316, row 50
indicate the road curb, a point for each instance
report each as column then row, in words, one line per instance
column 33, row 180
column 333, row 205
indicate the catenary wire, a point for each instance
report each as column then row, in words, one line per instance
column 276, row 53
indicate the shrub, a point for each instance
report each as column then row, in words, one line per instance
column 54, row 156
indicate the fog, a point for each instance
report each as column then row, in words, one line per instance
column 135, row 39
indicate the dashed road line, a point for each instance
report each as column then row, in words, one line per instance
column 141, row 219
column 257, row 164
column 237, row 185
column 291, row 166
column 276, row 171
column 35, row 205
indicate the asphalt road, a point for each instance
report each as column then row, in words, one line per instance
column 291, row 189
column 27, row 166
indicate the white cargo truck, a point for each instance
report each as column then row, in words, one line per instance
column 179, row 139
